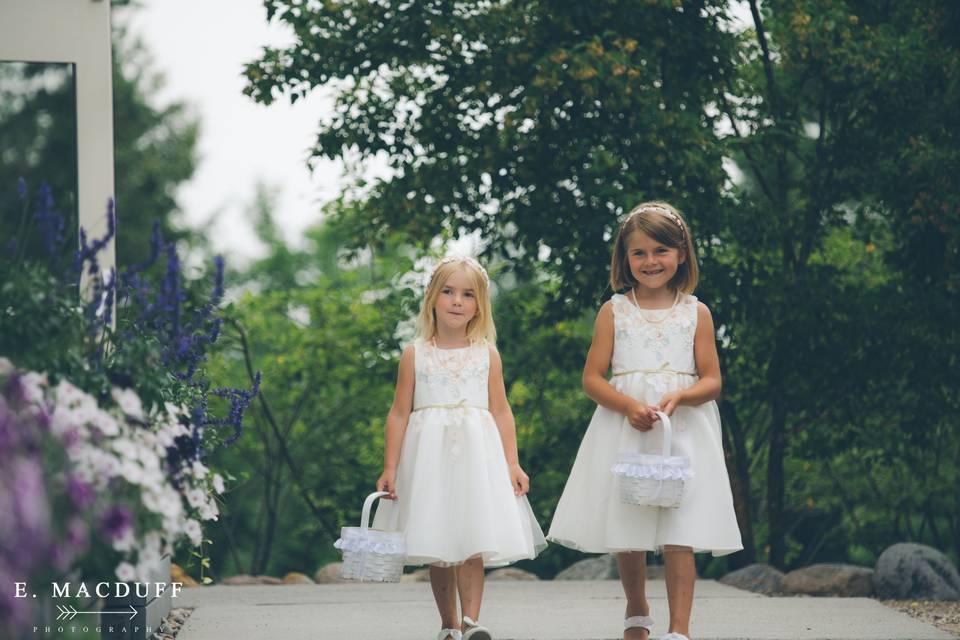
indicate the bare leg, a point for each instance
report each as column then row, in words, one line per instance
column 470, row 586
column 633, row 577
column 443, row 580
column 681, row 573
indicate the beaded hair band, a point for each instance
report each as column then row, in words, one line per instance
column 664, row 211
column 471, row 261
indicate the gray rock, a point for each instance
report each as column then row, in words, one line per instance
column 295, row 577
column 245, row 580
column 329, row 574
column 758, row 577
column 600, row 568
column 908, row 571
column 844, row 580
column 511, row 573
column 420, row 575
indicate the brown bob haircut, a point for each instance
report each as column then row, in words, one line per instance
column 664, row 224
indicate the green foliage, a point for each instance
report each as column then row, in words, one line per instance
column 830, row 263
column 534, row 123
column 324, row 334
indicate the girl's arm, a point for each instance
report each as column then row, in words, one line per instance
column 503, row 416
column 708, row 367
column 595, row 382
column 396, row 423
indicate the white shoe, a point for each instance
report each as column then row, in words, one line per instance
column 475, row 632
column 641, row 622
column 449, row 634
column 674, row 636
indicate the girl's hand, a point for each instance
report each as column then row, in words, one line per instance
column 519, row 480
column 669, row 402
column 388, row 482
column 641, row 416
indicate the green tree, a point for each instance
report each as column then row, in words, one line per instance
column 324, row 332
column 537, row 123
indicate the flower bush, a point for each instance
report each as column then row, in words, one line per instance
column 105, row 422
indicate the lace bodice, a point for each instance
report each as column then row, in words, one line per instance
column 654, row 339
column 451, row 376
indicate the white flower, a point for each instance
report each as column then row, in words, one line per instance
column 131, row 472
column 105, row 423
column 125, row 448
column 173, row 411
column 196, row 498
column 218, row 483
column 209, row 511
column 126, row 572
column 70, row 395
column 6, row 367
column 149, row 556
column 125, row 542
column 128, row 401
column 199, row 470
column 193, row 531
column 33, row 385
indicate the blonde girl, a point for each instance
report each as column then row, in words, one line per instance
column 450, row 459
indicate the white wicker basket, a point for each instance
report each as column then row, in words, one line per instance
column 370, row 555
column 653, row 480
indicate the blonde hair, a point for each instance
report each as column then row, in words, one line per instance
column 663, row 223
column 481, row 325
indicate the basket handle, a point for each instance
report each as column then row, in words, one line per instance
column 667, row 433
column 367, row 505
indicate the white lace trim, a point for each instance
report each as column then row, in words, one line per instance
column 386, row 547
column 652, row 467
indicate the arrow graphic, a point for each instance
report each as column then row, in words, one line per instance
column 67, row 612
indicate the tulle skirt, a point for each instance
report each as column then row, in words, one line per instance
column 590, row 516
column 454, row 496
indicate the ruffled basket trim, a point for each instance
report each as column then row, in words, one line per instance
column 653, row 471
column 357, row 544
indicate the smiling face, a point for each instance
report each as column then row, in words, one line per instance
column 652, row 263
column 456, row 303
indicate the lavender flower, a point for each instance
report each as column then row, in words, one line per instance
column 81, row 494
column 49, row 221
column 116, row 522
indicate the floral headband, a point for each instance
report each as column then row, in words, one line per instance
column 471, row 261
column 659, row 209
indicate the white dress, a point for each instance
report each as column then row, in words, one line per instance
column 649, row 359
column 454, row 495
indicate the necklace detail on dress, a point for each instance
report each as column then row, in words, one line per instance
column 668, row 313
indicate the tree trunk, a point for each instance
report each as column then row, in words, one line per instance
column 775, row 483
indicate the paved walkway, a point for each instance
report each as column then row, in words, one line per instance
column 548, row 610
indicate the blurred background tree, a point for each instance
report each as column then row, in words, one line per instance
column 811, row 144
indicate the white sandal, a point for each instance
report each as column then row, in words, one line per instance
column 475, row 632
column 641, row 622
column 453, row 634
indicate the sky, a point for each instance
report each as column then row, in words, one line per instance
column 200, row 47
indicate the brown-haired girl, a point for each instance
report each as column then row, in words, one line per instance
column 659, row 341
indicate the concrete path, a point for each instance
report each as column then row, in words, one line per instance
column 548, row 610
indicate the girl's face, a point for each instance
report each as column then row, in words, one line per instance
column 456, row 303
column 652, row 264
